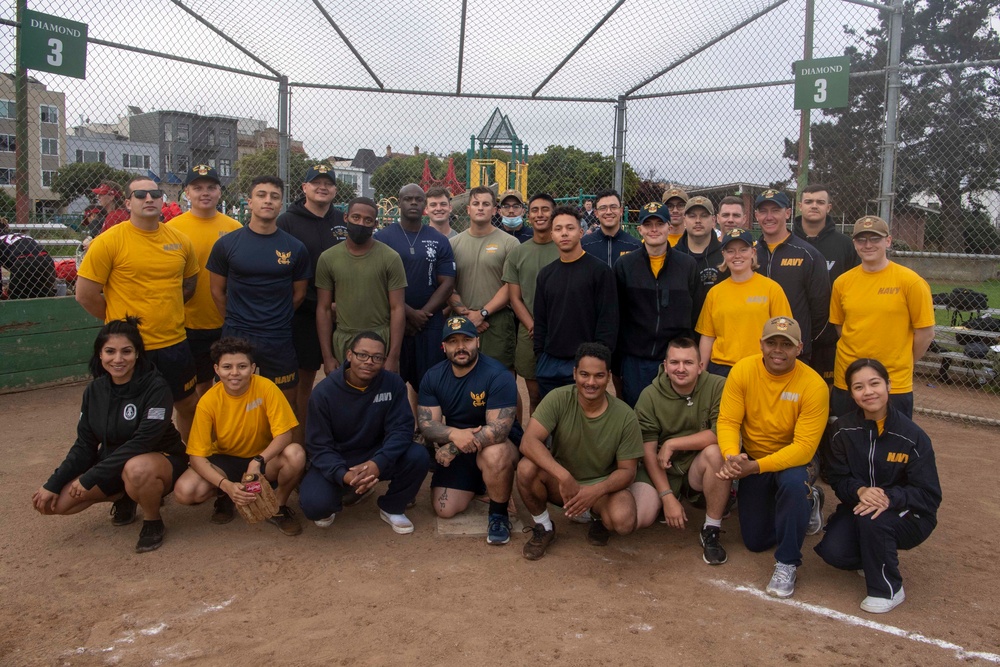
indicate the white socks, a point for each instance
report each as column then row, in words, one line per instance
column 544, row 519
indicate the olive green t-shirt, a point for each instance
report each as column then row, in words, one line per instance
column 523, row 265
column 589, row 448
column 361, row 284
column 479, row 262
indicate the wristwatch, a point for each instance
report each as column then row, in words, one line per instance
column 262, row 462
column 485, row 313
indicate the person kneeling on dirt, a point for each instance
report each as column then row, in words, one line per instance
column 127, row 449
column 596, row 446
column 243, row 425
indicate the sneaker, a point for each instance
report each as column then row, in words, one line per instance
column 286, row 521
column 151, row 536
column 350, row 498
column 782, row 583
column 399, row 522
column 584, row 518
column 224, row 510
column 598, row 534
column 816, row 499
column 122, row 511
column 327, row 522
column 540, row 540
column 712, row 551
column 499, row 529
column 875, row 605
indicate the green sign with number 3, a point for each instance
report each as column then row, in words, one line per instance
column 822, row 83
column 53, row 44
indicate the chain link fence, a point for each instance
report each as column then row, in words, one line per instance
column 642, row 95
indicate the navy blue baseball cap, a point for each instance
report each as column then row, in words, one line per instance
column 201, row 171
column 459, row 325
column 774, row 196
column 654, row 210
column 317, row 170
column 737, row 235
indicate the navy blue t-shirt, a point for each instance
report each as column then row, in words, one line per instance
column 259, row 271
column 431, row 257
column 465, row 400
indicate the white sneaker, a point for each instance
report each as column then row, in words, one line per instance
column 399, row 522
column 875, row 605
column 817, row 498
column 327, row 522
column 584, row 518
column 782, row 583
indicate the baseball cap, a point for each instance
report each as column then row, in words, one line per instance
column 317, row 170
column 654, row 210
column 872, row 224
column 201, row 171
column 773, row 196
column 700, row 201
column 737, row 235
column 511, row 193
column 105, row 190
column 459, row 325
column 783, row 326
column 674, row 192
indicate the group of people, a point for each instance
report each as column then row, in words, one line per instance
column 720, row 346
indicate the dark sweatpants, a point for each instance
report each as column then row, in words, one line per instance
column 856, row 542
column 774, row 509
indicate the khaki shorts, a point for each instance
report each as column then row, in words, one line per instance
column 524, row 354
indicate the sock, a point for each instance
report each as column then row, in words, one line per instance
column 498, row 508
column 709, row 521
column 543, row 519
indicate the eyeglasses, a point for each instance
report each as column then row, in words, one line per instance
column 364, row 356
column 512, row 206
column 608, row 207
column 142, row 194
column 868, row 240
column 675, row 207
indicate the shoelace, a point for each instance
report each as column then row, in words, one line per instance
column 782, row 574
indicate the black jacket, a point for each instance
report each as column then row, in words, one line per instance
column 900, row 462
column 801, row 271
column 116, row 423
column 317, row 234
column 836, row 248
column 609, row 249
column 654, row 310
column 706, row 267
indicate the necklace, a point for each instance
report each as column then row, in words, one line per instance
column 412, row 250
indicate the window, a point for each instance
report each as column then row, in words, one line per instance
column 7, row 109
column 47, row 177
column 349, row 179
column 91, row 156
column 211, row 137
column 6, row 177
column 50, row 146
column 211, row 163
column 49, row 113
column 168, row 132
column 225, row 138
column 225, row 168
column 135, row 161
column 8, row 143
column 181, row 164
column 182, row 131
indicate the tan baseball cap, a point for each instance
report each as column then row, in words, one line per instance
column 511, row 193
column 700, row 201
column 674, row 192
column 871, row 224
column 783, row 326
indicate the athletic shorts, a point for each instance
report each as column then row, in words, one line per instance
column 176, row 365
column 418, row 353
column 234, row 467
column 200, row 341
column 524, row 354
column 305, row 339
column 462, row 474
column 677, row 476
column 275, row 357
column 178, row 464
column 498, row 341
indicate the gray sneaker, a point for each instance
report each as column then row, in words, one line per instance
column 782, row 583
column 816, row 500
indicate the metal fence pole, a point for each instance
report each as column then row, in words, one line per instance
column 22, row 170
column 893, row 86
column 620, row 144
column 806, row 114
column 283, row 132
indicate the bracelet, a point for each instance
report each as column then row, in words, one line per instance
column 219, row 485
column 668, row 492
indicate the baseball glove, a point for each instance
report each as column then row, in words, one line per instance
column 264, row 506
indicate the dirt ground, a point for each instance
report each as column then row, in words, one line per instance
column 74, row 592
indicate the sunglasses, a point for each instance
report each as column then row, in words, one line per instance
column 142, row 194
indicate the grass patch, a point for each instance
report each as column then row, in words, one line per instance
column 991, row 288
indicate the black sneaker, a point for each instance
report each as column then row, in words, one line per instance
column 122, row 511
column 712, row 551
column 224, row 510
column 540, row 540
column 150, row 537
column 598, row 534
column 286, row 521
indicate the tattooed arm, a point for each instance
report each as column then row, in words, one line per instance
column 498, row 423
column 432, row 427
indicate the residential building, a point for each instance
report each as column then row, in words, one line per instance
column 186, row 139
column 115, row 150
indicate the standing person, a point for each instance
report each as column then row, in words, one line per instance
column 147, row 270
column 512, row 215
column 675, row 199
column 113, row 209
column 702, row 242
column 480, row 293
column 736, row 308
column 609, row 240
column 657, row 287
column 773, row 412
column 313, row 220
column 882, row 311
column 430, row 280
column 126, row 448
column 259, row 276
column 204, row 225
column 467, row 410
column 589, row 218
column 438, row 211
column 520, row 272
column 596, row 444
column 563, row 322
column 731, row 214
column 795, row 265
column 883, row 471
column 360, row 286
column 32, row 271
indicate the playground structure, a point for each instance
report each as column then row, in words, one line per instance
column 483, row 168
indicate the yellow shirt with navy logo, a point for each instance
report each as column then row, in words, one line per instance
column 879, row 311
column 735, row 313
column 200, row 311
column 240, row 425
column 779, row 418
column 142, row 274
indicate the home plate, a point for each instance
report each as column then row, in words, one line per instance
column 472, row 522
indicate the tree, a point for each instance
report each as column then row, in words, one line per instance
column 265, row 162
column 77, row 179
column 397, row 172
column 563, row 171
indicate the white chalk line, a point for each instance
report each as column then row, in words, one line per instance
column 960, row 652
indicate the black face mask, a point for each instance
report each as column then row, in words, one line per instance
column 359, row 234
